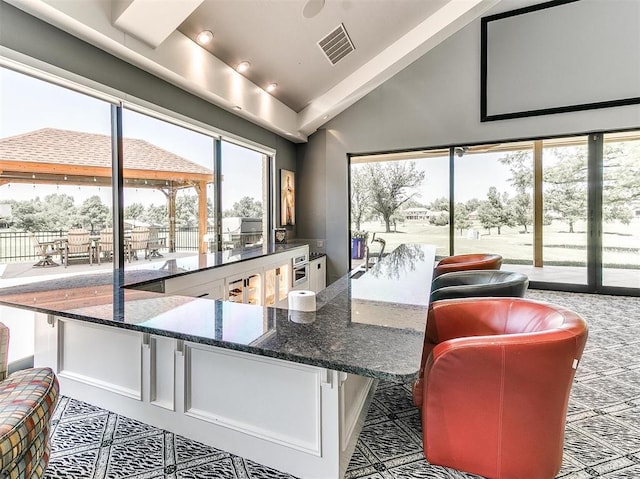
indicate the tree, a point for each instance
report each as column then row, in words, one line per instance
column 472, row 205
column 94, row 213
column 63, row 211
column 156, row 215
column 493, row 212
column 440, row 204
column 441, row 219
column 247, row 207
column 565, row 191
column 360, row 196
column 521, row 167
column 461, row 218
column 521, row 208
column 621, row 179
column 134, row 211
column 187, row 210
column 30, row 215
column 390, row 186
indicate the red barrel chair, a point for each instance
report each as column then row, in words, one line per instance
column 494, row 385
column 464, row 262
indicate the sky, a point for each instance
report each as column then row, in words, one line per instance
column 29, row 104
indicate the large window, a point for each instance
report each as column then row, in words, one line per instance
column 55, row 181
column 244, row 196
column 621, row 210
column 186, row 190
column 494, row 201
column 398, row 199
column 565, row 211
column 55, row 176
column 168, row 196
column 56, row 196
column 565, row 199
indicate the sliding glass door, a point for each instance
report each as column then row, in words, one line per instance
column 399, row 198
column 621, row 210
column 565, row 227
column 493, row 209
column 565, row 211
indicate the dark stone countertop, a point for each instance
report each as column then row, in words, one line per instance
column 191, row 264
column 370, row 323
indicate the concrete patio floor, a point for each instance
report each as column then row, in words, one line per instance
column 12, row 274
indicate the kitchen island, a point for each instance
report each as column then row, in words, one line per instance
column 286, row 389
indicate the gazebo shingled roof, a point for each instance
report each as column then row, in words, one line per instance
column 54, row 153
column 64, row 157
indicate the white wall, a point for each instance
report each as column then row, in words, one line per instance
column 433, row 102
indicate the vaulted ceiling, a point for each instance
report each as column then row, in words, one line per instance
column 279, row 38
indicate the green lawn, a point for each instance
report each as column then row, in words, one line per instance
column 622, row 242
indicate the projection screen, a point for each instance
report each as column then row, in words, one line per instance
column 560, row 56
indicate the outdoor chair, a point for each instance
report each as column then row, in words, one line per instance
column 373, row 254
column 27, row 401
column 43, row 251
column 155, row 243
column 139, row 241
column 78, row 244
column 105, row 244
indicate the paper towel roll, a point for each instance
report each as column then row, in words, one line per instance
column 302, row 300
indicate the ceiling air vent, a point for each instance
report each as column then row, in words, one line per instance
column 336, row 45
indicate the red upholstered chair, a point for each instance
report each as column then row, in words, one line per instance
column 494, row 385
column 464, row 262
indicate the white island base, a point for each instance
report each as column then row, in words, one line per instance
column 299, row 419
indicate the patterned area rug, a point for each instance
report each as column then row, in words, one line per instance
column 602, row 437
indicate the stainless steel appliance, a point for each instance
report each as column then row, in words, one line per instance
column 300, row 268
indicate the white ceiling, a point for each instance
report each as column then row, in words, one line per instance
column 278, row 37
column 281, row 43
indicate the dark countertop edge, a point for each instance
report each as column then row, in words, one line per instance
column 168, row 275
column 407, row 377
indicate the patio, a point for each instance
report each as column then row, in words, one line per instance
column 12, row 274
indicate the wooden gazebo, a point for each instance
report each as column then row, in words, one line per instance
column 66, row 158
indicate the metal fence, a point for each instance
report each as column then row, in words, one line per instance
column 16, row 246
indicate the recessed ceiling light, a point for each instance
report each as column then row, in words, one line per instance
column 243, row 66
column 272, row 87
column 204, row 37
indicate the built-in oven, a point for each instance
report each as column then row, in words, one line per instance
column 300, row 268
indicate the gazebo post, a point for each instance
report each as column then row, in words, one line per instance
column 171, row 196
column 201, row 188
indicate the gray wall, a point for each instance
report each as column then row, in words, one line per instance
column 30, row 36
column 433, row 102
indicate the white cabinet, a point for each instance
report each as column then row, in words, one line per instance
column 265, row 280
column 245, row 287
column 197, row 285
column 277, row 282
column 318, row 274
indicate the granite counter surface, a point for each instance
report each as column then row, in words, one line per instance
column 369, row 323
